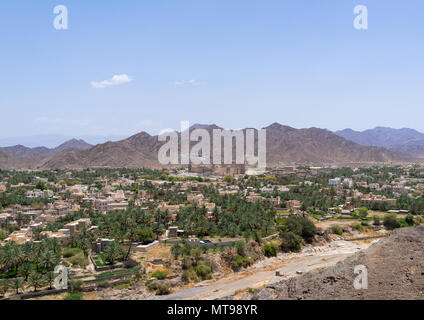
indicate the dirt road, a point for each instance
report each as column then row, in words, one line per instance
column 264, row 272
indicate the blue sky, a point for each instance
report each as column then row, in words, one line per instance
column 234, row 63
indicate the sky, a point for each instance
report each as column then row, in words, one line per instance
column 128, row 66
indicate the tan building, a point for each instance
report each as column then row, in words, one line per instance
column 294, row 205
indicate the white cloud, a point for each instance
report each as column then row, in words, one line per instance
column 116, row 80
column 187, row 82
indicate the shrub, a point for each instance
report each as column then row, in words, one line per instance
column 364, row 224
column 291, row 241
column 270, row 249
column 240, row 262
column 377, row 220
column 241, row 248
column 204, row 271
column 160, row 275
column 336, row 229
column 103, row 284
column 363, row 212
column 68, row 253
column 390, row 221
column 357, row 226
column 78, row 261
column 75, row 285
column 189, row 275
column 75, row 295
column 300, row 226
column 162, row 290
column 410, row 220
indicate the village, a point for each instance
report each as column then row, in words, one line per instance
column 162, row 230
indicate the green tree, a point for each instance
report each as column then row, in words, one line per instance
column 390, row 221
column 49, row 278
column 17, row 284
column 41, row 185
column 271, row 249
column 114, row 253
column 363, row 213
column 84, row 244
column 409, row 219
column 35, row 280
column 145, row 235
column 49, row 261
column 377, row 220
column 290, row 241
column 25, row 270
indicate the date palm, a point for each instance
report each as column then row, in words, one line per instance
column 49, row 260
column 17, row 284
column 53, row 245
column 85, row 245
column 25, row 270
column 35, row 280
column 12, row 255
column 49, row 278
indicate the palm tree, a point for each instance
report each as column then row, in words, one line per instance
column 36, row 280
column 25, row 270
column 12, row 256
column 85, row 245
column 49, row 260
column 37, row 253
column 53, row 245
column 49, row 279
column 17, row 283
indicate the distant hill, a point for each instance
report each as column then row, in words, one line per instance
column 405, row 141
column 42, row 152
column 19, row 156
column 285, row 145
column 137, row 151
column 319, row 146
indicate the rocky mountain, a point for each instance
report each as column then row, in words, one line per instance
column 405, row 141
column 43, row 152
column 139, row 150
column 19, row 156
column 285, row 145
column 400, row 255
column 318, row 146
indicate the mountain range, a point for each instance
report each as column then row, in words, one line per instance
column 21, row 157
column 405, row 141
column 285, row 146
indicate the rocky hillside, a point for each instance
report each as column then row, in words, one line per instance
column 395, row 271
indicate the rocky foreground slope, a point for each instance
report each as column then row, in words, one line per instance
column 395, row 271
